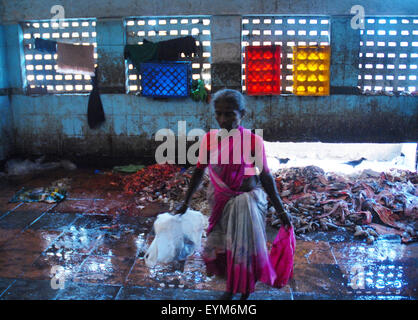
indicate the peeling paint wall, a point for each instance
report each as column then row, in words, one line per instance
column 57, row 124
column 6, row 136
column 6, row 143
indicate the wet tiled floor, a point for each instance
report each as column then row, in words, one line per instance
column 66, row 251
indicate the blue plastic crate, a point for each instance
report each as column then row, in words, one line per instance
column 166, row 79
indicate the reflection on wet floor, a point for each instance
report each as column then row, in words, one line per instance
column 101, row 256
column 91, row 255
column 380, row 270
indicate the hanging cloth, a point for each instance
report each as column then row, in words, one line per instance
column 95, row 113
column 148, row 51
column 77, row 59
column 172, row 49
column 45, row 45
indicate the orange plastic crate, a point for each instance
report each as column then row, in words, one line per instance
column 311, row 66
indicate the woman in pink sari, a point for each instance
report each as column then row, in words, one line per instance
column 236, row 240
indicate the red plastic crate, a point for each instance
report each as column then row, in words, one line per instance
column 262, row 70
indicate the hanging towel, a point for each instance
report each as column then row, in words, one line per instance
column 141, row 53
column 45, row 45
column 95, row 113
column 282, row 255
column 77, row 59
column 171, row 49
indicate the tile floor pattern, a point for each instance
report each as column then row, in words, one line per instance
column 63, row 251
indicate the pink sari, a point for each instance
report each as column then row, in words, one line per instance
column 236, row 244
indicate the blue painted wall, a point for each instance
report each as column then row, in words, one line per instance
column 57, row 124
column 6, row 136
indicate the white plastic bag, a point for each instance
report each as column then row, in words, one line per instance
column 168, row 240
column 22, row 167
column 176, row 237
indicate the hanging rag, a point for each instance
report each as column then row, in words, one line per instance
column 169, row 50
column 77, row 59
column 172, row 49
column 282, row 255
column 148, row 51
column 95, row 113
column 45, row 45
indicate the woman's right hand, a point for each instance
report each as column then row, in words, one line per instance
column 181, row 209
column 195, row 181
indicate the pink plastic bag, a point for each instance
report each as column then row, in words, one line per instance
column 281, row 256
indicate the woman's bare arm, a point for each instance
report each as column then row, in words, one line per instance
column 269, row 186
column 195, row 182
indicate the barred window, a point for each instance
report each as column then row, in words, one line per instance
column 157, row 29
column 389, row 55
column 41, row 67
column 287, row 32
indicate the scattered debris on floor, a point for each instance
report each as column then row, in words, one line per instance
column 165, row 184
column 48, row 195
column 54, row 193
column 153, row 178
column 366, row 204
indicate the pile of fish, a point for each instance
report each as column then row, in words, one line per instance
column 165, row 184
column 149, row 179
column 368, row 204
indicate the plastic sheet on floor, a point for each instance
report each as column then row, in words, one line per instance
column 48, row 195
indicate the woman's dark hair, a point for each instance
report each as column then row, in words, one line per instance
column 232, row 97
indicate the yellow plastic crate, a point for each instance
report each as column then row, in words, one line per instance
column 311, row 66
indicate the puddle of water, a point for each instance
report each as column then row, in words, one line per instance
column 376, row 269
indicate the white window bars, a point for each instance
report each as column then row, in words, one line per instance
column 41, row 66
column 285, row 31
column 388, row 55
column 157, row 29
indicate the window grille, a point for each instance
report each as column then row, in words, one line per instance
column 388, row 55
column 157, row 29
column 287, row 32
column 41, row 66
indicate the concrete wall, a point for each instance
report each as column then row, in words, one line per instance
column 57, row 124
column 6, row 136
column 18, row 10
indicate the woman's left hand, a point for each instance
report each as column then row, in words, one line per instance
column 286, row 219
